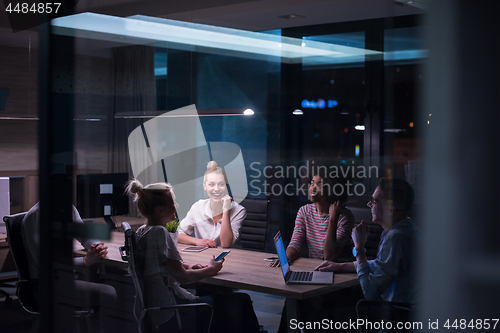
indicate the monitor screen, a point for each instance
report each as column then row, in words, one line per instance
column 101, row 195
column 280, row 248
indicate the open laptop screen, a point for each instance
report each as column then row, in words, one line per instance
column 280, row 248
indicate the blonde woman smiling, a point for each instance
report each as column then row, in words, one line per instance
column 214, row 221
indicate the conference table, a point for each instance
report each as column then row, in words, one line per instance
column 244, row 269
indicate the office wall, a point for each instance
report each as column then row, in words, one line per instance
column 93, row 96
column 18, row 138
column 92, row 86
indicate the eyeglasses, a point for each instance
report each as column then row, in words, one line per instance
column 373, row 202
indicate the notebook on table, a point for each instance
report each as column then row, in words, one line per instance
column 302, row 277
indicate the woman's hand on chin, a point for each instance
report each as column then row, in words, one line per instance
column 226, row 203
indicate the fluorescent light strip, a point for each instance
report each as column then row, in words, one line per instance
column 18, row 117
column 394, row 130
column 21, row 116
column 165, row 114
column 98, row 26
column 125, row 115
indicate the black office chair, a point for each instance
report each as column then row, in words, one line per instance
column 253, row 232
column 7, row 279
column 127, row 253
column 391, row 313
column 25, row 287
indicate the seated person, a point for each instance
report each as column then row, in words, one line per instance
column 98, row 294
column 160, row 269
column 31, row 240
column 216, row 220
column 325, row 225
column 392, row 275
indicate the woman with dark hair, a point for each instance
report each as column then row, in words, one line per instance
column 160, row 269
column 325, row 224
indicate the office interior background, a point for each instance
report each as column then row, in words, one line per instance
column 415, row 95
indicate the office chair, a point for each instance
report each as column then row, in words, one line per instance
column 389, row 312
column 25, row 287
column 8, row 298
column 127, row 253
column 253, row 232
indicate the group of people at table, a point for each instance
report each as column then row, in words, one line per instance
column 325, row 224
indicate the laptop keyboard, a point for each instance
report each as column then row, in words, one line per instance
column 302, row 276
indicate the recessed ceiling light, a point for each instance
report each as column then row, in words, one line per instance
column 292, row 17
column 298, row 112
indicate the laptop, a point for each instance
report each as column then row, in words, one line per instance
column 300, row 277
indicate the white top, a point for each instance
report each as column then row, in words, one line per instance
column 154, row 248
column 199, row 219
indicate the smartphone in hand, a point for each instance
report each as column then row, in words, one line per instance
column 222, row 255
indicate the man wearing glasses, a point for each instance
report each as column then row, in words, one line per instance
column 391, row 276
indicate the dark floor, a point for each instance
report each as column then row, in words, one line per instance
column 14, row 319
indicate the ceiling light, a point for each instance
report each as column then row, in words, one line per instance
column 18, row 116
column 422, row 4
column 144, row 29
column 26, row 116
column 394, row 130
column 164, row 113
column 248, row 112
column 298, row 112
column 292, row 17
column 359, row 127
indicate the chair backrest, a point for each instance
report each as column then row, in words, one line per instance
column 127, row 252
column 253, row 232
column 13, row 224
column 25, row 287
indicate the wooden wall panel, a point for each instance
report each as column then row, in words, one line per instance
column 92, row 87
